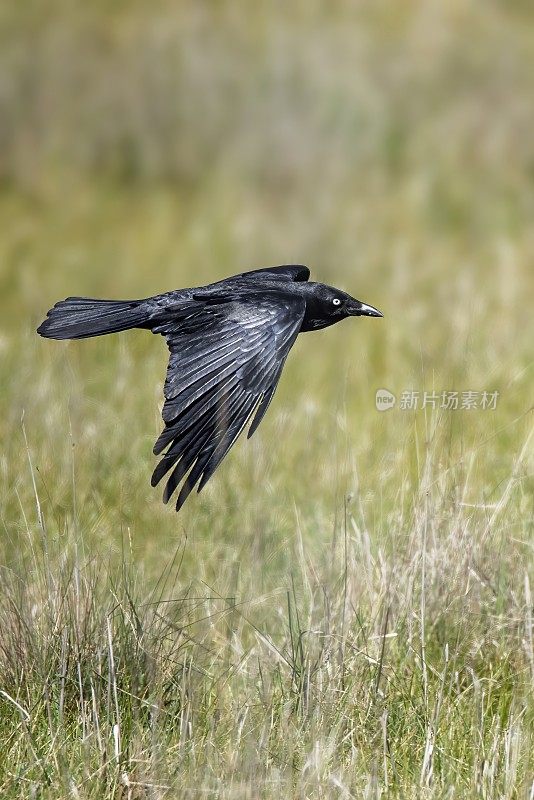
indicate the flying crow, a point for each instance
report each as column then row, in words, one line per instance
column 228, row 344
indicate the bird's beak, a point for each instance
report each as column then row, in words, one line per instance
column 358, row 309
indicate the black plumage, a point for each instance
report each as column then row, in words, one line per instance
column 228, row 344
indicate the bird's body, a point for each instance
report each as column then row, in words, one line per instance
column 228, row 343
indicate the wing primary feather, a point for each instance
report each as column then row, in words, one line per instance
column 213, row 447
column 178, row 447
column 265, row 402
column 183, row 465
column 213, row 401
column 261, row 411
column 198, row 472
column 181, row 440
column 226, row 443
column 177, row 426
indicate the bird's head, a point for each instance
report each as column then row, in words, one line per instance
column 326, row 305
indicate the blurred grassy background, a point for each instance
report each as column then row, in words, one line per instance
column 389, row 147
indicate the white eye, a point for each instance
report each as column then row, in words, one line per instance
column 336, row 301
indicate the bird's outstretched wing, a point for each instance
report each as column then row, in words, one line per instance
column 225, row 363
column 287, row 272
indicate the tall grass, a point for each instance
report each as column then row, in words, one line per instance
column 346, row 609
column 402, row 665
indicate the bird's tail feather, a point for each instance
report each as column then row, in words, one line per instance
column 82, row 317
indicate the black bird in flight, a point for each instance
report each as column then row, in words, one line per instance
column 228, row 344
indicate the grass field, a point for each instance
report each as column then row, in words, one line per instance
column 346, row 609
